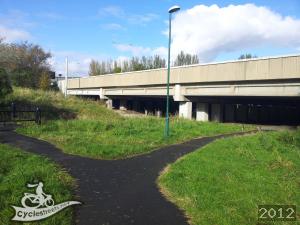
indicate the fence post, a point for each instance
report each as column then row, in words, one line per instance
column 13, row 110
column 38, row 119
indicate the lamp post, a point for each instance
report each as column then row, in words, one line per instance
column 66, row 76
column 167, row 130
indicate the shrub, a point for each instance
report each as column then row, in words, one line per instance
column 5, row 86
column 22, row 78
column 44, row 82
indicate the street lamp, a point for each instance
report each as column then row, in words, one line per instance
column 171, row 10
column 66, row 76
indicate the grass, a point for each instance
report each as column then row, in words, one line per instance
column 225, row 181
column 18, row 168
column 87, row 128
column 55, row 106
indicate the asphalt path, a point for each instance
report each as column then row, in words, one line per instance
column 117, row 192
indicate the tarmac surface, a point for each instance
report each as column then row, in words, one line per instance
column 117, row 192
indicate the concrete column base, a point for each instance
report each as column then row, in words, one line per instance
column 202, row 112
column 158, row 113
column 185, row 110
column 123, row 104
column 109, row 103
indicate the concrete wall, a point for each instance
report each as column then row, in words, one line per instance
column 245, row 70
column 202, row 113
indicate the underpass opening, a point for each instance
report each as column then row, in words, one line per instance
column 146, row 105
column 252, row 110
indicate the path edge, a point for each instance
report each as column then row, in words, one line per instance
column 166, row 193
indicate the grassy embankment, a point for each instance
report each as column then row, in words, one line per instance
column 87, row 128
column 225, row 181
column 18, row 168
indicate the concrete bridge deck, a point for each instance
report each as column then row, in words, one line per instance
column 216, row 89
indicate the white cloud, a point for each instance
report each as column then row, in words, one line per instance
column 140, row 50
column 211, row 30
column 15, row 26
column 134, row 50
column 112, row 10
column 120, row 13
column 50, row 15
column 112, row 26
column 161, row 51
column 142, row 19
column 17, row 19
column 13, row 34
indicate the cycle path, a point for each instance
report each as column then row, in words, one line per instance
column 117, row 192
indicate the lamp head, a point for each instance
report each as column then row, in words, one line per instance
column 174, row 8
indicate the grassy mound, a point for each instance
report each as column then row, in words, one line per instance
column 225, row 181
column 56, row 107
column 87, row 128
column 18, row 168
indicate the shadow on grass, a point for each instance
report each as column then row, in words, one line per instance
column 48, row 110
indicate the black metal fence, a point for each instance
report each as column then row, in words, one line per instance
column 16, row 113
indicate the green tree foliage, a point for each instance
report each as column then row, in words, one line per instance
column 5, row 86
column 137, row 64
column 117, row 69
column 24, row 62
column 22, row 77
column 247, row 56
column 44, row 82
column 186, row 59
column 133, row 64
column 94, row 68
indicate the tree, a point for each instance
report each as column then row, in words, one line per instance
column 136, row 64
column 22, row 78
column 185, row 59
column 125, row 66
column 247, row 56
column 24, row 62
column 94, row 68
column 117, row 69
column 5, row 86
column 133, row 64
column 44, row 82
column 158, row 62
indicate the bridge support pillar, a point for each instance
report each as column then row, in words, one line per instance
column 148, row 108
column 202, row 112
column 109, row 103
column 185, row 110
column 158, row 112
column 101, row 94
column 123, row 104
column 216, row 112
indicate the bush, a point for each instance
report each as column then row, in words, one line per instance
column 5, row 86
column 22, row 78
column 44, row 82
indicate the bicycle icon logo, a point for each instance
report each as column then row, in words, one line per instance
column 38, row 205
column 37, row 200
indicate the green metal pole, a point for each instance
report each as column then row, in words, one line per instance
column 167, row 127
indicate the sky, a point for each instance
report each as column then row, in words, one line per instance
column 214, row 30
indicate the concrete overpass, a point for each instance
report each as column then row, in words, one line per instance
column 262, row 90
